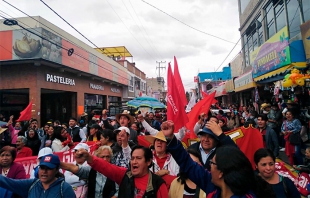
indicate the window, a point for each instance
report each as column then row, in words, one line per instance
column 130, row 87
column 260, row 32
column 269, row 14
column 280, row 15
column 293, row 17
column 306, row 9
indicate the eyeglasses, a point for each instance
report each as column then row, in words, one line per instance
column 211, row 162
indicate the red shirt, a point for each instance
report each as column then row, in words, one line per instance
column 117, row 173
column 24, row 152
column 160, row 161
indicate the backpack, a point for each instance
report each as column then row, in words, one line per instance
column 37, row 181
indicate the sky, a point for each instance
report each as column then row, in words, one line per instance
column 151, row 30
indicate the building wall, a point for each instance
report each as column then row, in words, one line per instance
column 236, row 66
column 225, row 74
column 247, row 15
column 34, row 78
column 155, row 89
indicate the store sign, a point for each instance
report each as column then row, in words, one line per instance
column 60, row 80
column 305, row 34
column 115, row 90
column 96, row 87
column 243, row 80
column 272, row 55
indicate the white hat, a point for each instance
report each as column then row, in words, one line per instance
column 45, row 151
column 82, row 145
column 122, row 128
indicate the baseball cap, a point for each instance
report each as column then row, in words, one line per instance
column 205, row 130
column 45, row 151
column 51, row 161
column 81, row 145
column 122, row 128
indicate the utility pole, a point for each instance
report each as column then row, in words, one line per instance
column 159, row 79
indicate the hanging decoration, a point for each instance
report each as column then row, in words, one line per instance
column 294, row 78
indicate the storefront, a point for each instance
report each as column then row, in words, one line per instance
column 54, row 94
column 273, row 61
column 229, row 87
column 244, row 87
column 62, row 76
column 220, row 93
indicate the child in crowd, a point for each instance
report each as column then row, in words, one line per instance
column 306, row 167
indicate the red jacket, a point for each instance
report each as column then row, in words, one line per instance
column 24, row 152
column 17, row 171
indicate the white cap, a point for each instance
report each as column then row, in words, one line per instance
column 122, row 128
column 45, row 151
column 82, row 145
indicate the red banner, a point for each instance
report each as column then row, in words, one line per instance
column 30, row 163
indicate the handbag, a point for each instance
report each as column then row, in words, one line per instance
column 294, row 138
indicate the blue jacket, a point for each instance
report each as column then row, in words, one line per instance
column 272, row 142
column 198, row 174
column 22, row 186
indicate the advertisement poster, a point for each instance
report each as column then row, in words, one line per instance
column 272, row 55
column 51, row 46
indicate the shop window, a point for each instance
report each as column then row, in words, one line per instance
column 306, row 9
column 280, row 15
column 293, row 12
column 130, row 86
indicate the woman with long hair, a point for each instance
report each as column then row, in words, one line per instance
column 289, row 127
column 33, row 141
column 48, row 138
column 265, row 165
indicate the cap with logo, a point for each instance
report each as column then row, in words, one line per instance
column 205, row 130
column 51, row 161
column 122, row 128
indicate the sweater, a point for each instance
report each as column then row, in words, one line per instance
column 21, row 187
column 177, row 190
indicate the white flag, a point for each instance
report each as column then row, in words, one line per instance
column 191, row 103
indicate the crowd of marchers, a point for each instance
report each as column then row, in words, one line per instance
column 121, row 167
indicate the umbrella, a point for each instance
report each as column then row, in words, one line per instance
column 146, row 101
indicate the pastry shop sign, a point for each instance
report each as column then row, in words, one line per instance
column 96, row 87
column 60, row 80
column 115, row 90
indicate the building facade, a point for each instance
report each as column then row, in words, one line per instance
column 156, row 88
column 61, row 75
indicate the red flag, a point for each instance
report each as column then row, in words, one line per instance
column 26, row 113
column 204, row 94
column 175, row 108
column 178, row 82
column 200, row 107
column 249, row 140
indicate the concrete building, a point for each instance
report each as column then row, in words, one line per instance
column 156, row 88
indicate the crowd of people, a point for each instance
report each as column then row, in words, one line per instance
column 214, row 166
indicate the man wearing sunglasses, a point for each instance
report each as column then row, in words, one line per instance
column 49, row 184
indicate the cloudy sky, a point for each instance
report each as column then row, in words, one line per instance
column 150, row 29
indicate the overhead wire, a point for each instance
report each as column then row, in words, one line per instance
column 60, row 46
column 138, row 26
column 186, row 23
column 145, row 30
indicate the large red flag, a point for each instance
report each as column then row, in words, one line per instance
column 200, row 107
column 204, row 94
column 175, row 109
column 26, row 113
column 178, row 82
column 249, row 140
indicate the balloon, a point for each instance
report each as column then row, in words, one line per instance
column 287, row 83
column 300, row 82
column 287, row 76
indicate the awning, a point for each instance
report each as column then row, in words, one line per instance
column 229, row 86
column 244, row 82
column 278, row 73
column 120, row 51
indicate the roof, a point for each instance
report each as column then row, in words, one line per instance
column 120, row 51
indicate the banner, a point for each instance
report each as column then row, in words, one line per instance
column 30, row 163
column 272, row 55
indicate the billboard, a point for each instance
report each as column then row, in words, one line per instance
column 36, row 43
column 272, row 55
column 305, row 33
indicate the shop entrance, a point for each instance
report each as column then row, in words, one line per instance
column 57, row 105
column 12, row 102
